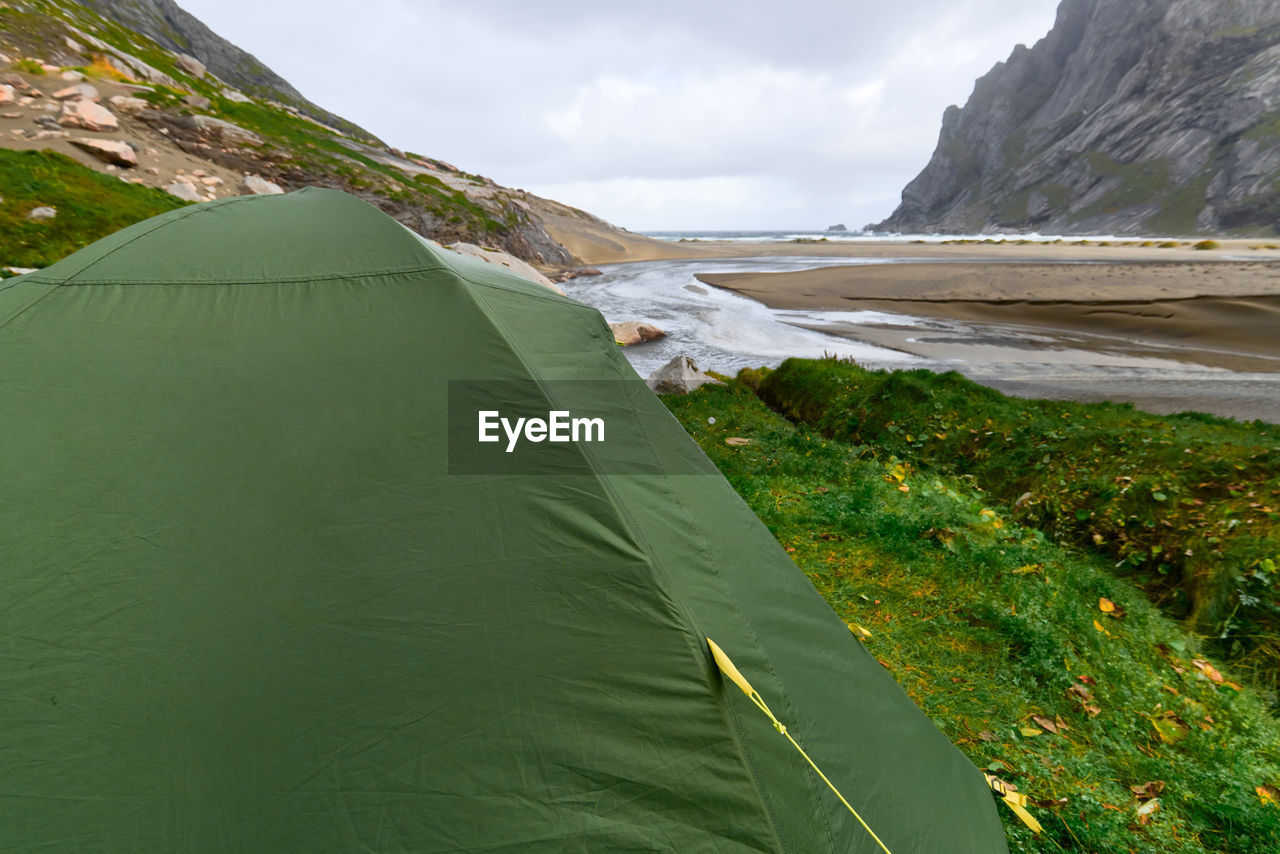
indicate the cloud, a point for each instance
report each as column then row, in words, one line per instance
column 651, row 113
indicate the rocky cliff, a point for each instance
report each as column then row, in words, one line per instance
column 1130, row 116
column 142, row 90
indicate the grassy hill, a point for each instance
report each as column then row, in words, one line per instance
column 1047, row 667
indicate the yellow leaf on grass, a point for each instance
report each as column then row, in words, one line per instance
column 1207, row 669
column 858, row 630
column 1030, row 731
column 1269, row 794
column 1106, row 605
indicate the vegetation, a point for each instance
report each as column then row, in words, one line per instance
column 1187, row 506
column 1207, row 244
column 90, row 206
column 1042, row 666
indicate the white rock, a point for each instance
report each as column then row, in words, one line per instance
column 186, row 192
column 26, row 101
column 191, row 65
column 679, row 376
column 630, row 332
column 88, row 115
column 108, row 150
column 224, row 131
column 52, row 107
column 73, row 45
column 236, row 96
column 50, row 69
column 7, row 95
column 42, row 212
column 5, row 59
column 127, row 104
column 252, row 185
column 502, row 259
column 198, row 173
column 153, row 170
column 51, row 134
column 211, row 181
column 14, row 115
column 73, row 76
column 79, row 91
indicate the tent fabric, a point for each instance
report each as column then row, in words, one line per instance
column 244, row 605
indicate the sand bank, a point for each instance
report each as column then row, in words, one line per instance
column 1221, row 313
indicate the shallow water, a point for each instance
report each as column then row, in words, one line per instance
column 724, row 332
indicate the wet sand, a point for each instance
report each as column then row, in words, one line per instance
column 1223, row 314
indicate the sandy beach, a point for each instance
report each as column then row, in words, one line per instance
column 992, row 306
column 1222, row 313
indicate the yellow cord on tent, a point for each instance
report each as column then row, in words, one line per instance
column 1016, row 801
column 726, row 667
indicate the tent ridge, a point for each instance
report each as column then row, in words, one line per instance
column 164, row 221
column 266, row 280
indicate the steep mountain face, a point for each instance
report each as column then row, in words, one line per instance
column 1130, row 116
column 172, row 27
column 183, row 110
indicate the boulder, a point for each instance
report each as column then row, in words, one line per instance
column 108, row 150
column 88, row 115
column 197, row 102
column 634, row 332
column 221, row 130
column 183, row 191
column 236, row 96
column 211, row 181
column 77, row 92
column 679, row 376
column 129, row 105
column 252, row 185
column 46, row 121
column 42, row 212
column 7, row 95
column 502, row 259
column 191, row 65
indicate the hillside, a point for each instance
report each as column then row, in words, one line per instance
column 1130, row 116
column 141, row 90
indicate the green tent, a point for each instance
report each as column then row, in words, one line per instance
column 258, row 594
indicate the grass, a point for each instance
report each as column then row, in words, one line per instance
column 996, row 632
column 90, row 206
column 1186, row 506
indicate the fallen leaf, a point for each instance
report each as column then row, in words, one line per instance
column 1030, row 731
column 1031, row 567
column 1147, row 791
column 1088, row 680
column 1170, row 727
column 1045, row 724
column 987, row 735
column 1050, row 803
column 1269, row 794
column 1099, row 627
column 904, row 488
column 1106, row 605
column 1146, row 810
column 1207, row 669
column 858, row 630
column 737, row 441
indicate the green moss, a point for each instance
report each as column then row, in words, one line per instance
column 90, row 206
column 1188, row 505
column 985, row 622
column 1181, row 206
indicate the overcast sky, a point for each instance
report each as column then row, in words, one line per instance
column 654, row 115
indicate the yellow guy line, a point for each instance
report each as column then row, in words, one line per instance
column 726, row 667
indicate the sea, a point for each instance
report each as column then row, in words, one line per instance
column 723, row 331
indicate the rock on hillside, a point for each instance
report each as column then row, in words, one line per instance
column 1130, row 116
